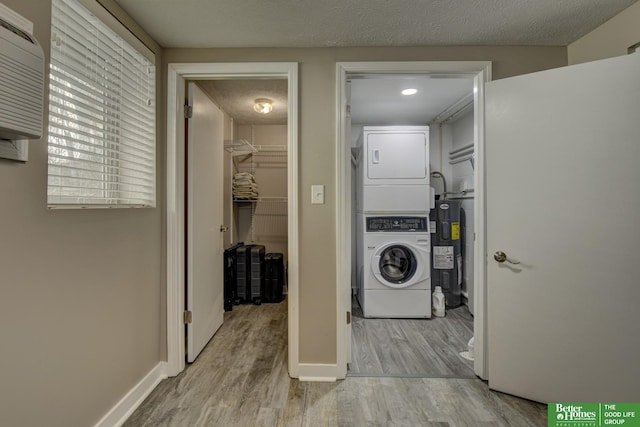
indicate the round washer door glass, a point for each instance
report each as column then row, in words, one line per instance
column 397, row 264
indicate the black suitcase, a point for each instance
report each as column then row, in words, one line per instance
column 230, row 260
column 274, row 278
column 257, row 254
column 242, row 275
column 250, row 274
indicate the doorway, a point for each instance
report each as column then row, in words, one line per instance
column 372, row 74
column 178, row 74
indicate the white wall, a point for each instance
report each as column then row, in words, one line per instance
column 440, row 140
column 460, row 177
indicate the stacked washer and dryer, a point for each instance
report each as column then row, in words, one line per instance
column 393, row 200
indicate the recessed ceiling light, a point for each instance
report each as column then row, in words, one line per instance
column 410, row 91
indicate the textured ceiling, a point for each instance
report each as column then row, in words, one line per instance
column 328, row 23
column 322, row 23
column 236, row 97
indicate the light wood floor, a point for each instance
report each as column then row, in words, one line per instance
column 421, row 348
column 240, row 379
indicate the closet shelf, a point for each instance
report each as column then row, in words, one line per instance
column 263, row 148
column 239, row 146
column 262, row 199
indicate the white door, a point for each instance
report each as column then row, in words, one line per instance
column 563, row 200
column 204, row 221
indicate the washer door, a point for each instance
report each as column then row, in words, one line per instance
column 395, row 266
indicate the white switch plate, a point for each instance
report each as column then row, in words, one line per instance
column 317, row 194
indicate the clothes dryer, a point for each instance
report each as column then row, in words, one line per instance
column 393, row 169
column 394, row 266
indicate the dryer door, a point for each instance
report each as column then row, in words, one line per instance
column 396, row 266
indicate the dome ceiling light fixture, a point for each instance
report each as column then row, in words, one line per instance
column 263, row 106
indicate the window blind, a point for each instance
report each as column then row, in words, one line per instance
column 102, row 141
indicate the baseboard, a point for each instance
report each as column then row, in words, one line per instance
column 317, row 372
column 130, row 402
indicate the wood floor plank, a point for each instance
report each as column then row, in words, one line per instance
column 241, row 379
column 295, row 405
column 411, row 347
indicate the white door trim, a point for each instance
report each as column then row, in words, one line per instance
column 176, row 74
column 481, row 72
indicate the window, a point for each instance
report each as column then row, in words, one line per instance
column 102, row 109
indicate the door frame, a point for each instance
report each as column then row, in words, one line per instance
column 177, row 73
column 481, row 73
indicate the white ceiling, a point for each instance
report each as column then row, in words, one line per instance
column 379, row 101
column 322, row 23
column 373, row 101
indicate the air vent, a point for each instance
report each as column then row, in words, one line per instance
column 15, row 30
column 22, row 85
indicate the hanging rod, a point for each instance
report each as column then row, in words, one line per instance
column 262, row 199
column 463, row 192
column 455, row 109
column 271, row 148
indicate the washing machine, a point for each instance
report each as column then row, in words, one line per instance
column 394, row 265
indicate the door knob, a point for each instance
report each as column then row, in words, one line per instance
column 223, row 229
column 502, row 257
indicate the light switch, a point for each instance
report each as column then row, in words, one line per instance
column 317, row 194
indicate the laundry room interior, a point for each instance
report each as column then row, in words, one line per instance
column 250, row 136
column 412, row 225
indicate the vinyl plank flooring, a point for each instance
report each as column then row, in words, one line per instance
column 411, row 347
column 241, row 379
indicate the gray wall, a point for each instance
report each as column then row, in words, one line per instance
column 317, row 289
column 610, row 39
column 81, row 290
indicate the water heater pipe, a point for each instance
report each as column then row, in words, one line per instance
column 444, row 183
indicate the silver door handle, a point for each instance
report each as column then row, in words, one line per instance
column 223, row 229
column 502, row 257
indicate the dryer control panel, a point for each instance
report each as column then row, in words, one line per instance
column 397, row 224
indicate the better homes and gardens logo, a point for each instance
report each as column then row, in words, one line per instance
column 593, row 414
column 569, row 414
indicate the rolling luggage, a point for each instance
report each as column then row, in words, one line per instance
column 257, row 254
column 274, row 278
column 250, row 274
column 230, row 260
column 242, row 279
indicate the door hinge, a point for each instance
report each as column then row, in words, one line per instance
column 188, row 111
column 188, row 316
column 348, row 317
